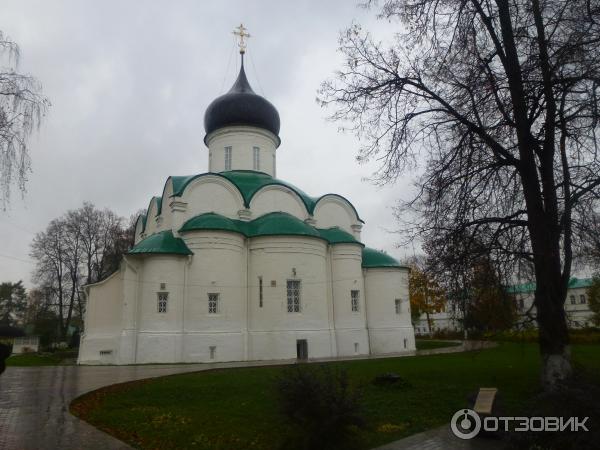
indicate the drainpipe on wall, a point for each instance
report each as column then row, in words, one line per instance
column 331, row 310
column 247, row 312
column 186, row 265
column 367, row 309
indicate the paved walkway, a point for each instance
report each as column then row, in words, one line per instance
column 442, row 439
column 34, row 401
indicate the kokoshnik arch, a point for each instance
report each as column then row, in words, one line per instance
column 235, row 264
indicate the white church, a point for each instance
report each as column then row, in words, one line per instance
column 238, row 265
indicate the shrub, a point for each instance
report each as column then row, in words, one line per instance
column 321, row 407
column 579, row 336
column 447, row 334
column 5, row 351
column 392, row 380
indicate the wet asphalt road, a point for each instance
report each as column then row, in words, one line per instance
column 34, row 404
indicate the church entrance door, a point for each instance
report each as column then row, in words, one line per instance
column 302, row 349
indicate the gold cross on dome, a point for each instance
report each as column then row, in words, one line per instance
column 242, row 33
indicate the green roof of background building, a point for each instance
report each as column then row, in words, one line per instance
column 521, row 288
column 272, row 224
column 163, row 242
column 575, row 283
column 527, row 288
column 372, row 258
column 248, row 183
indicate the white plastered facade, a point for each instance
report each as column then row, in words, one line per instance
column 124, row 323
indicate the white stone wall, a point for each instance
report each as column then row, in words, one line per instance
column 212, row 194
column 100, row 341
column 123, row 323
column 273, row 331
column 159, row 334
column 218, row 266
column 242, row 140
column 123, row 319
column 346, row 275
column 389, row 332
column 334, row 211
column 151, row 227
column 277, row 198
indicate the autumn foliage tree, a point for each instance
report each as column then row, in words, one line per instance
column 490, row 307
column 499, row 100
column 426, row 296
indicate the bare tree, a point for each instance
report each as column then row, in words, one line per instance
column 500, row 101
column 588, row 244
column 84, row 246
column 50, row 250
column 21, row 108
column 98, row 230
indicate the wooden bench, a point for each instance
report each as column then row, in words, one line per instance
column 485, row 400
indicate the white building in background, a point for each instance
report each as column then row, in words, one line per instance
column 25, row 344
column 444, row 320
column 577, row 307
column 235, row 264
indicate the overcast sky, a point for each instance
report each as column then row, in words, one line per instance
column 129, row 82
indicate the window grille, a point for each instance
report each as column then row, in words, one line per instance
column 293, row 296
column 213, row 303
column 163, row 298
column 355, row 300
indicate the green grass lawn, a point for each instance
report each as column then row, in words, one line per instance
column 429, row 344
column 238, row 408
column 42, row 359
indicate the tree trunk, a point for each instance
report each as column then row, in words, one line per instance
column 554, row 335
column 551, row 290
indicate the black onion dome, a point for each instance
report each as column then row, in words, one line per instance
column 241, row 106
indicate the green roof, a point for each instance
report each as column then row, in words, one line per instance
column 272, row 224
column 143, row 218
column 248, row 183
column 279, row 223
column 521, row 288
column 163, row 242
column 372, row 258
column 575, row 283
column 158, row 207
column 212, row 221
column 336, row 235
column 527, row 288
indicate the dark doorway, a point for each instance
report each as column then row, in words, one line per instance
column 302, row 349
